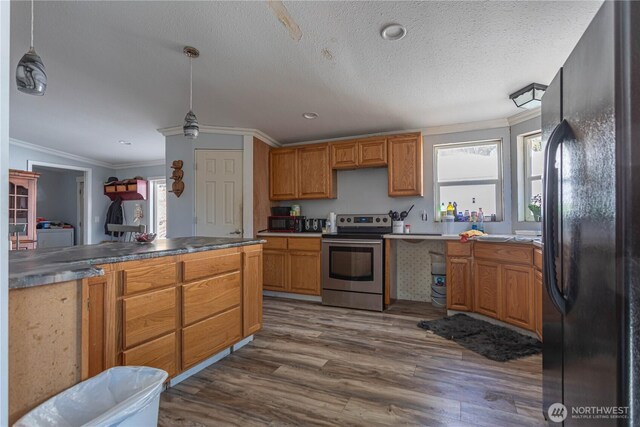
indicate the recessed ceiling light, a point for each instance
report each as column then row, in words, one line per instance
column 393, row 32
column 310, row 116
column 123, row 142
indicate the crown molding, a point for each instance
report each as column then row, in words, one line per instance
column 70, row 156
column 224, row 130
column 466, row 127
column 523, row 116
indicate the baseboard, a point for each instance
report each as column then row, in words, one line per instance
column 239, row 345
column 288, row 295
column 199, row 367
column 494, row 322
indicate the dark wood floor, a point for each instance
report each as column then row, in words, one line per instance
column 317, row 365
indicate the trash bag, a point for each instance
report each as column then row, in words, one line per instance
column 123, row 395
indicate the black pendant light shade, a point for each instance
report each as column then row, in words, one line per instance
column 529, row 96
column 31, row 76
column 191, row 128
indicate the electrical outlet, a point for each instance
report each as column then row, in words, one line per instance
column 423, row 215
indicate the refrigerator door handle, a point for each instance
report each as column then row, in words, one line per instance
column 550, row 200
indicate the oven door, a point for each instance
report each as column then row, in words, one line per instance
column 352, row 265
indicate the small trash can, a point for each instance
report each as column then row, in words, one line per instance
column 438, row 280
column 123, row 396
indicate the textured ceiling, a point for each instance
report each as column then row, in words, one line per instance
column 116, row 69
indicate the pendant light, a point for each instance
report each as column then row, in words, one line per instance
column 191, row 128
column 31, row 77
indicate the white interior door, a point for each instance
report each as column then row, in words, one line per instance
column 219, row 193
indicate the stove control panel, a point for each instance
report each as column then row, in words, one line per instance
column 363, row 220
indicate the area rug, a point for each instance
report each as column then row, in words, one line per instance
column 492, row 341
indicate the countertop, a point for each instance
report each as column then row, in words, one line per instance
column 274, row 234
column 501, row 238
column 46, row 266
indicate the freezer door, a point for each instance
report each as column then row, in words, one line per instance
column 552, row 319
column 588, row 201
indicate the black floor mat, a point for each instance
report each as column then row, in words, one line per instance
column 492, row 341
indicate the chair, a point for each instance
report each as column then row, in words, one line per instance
column 125, row 232
column 16, row 229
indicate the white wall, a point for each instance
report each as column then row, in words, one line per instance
column 56, row 198
column 5, row 80
column 180, row 211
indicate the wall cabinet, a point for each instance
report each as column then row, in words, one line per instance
column 308, row 171
column 405, row 165
column 292, row 265
column 502, row 284
column 361, row 153
column 301, row 173
column 283, row 173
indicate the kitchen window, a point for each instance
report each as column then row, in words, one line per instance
column 469, row 174
column 531, row 161
column 158, row 207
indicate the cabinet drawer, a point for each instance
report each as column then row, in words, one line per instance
column 537, row 259
column 208, row 297
column 275, row 243
column 159, row 353
column 210, row 266
column 521, row 254
column 304, row 243
column 148, row 277
column 458, row 249
column 148, row 316
column 209, row 336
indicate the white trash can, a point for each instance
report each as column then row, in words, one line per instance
column 124, row 396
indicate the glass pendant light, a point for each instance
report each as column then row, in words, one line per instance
column 31, row 77
column 191, row 128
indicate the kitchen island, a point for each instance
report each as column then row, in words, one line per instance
column 175, row 304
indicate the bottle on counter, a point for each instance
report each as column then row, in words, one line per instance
column 455, row 209
column 466, row 215
column 450, row 210
column 480, row 220
column 443, row 211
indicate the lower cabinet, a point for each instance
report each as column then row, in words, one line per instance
column 502, row 284
column 459, row 284
column 172, row 312
column 292, row 265
column 487, row 289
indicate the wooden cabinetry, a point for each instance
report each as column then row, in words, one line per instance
column 301, row 173
column 538, row 290
column 283, row 173
column 315, row 177
column 308, row 171
column 459, row 284
column 292, row 265
column 487, row 289
column 502, row 284
column 405, row 165
column 22, row 205
column 362, row 153
column 172, row 312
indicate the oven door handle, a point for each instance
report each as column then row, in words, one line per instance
column 352, row 242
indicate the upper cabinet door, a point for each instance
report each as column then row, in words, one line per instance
column 344, row 155
column 283, row 173
column 315, row 178
column 372, row 152
column 405, row 165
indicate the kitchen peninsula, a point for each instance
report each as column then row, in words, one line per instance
column 173, row 304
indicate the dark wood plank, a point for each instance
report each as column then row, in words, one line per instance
column 317, row 365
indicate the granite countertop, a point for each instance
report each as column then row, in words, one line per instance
column 275, row 234
column 491, row 238
column 46, row 266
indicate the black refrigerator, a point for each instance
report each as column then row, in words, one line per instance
column 591, row 226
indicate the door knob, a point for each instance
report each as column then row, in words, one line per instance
column 236, row 232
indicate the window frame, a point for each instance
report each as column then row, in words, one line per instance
column 525, row 175
column 499, row 181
